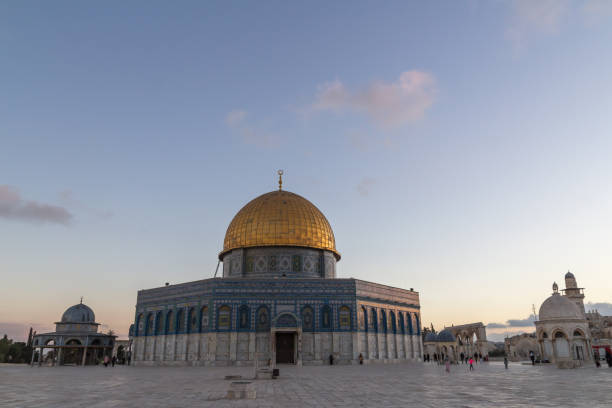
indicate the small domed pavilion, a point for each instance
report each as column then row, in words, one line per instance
column 76, row 340
column 563, row 331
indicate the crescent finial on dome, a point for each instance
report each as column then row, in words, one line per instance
column 280, row 179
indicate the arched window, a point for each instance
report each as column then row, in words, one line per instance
column 169, row 322
column 326, row 317
column 363, row 318
column 374, row 319
column 307, row 318
column 224, row 321
column 392, row 322
column 383, row 320
column 544, row 335
column 262, row 323
column 244, row 318
column 149, row 328
column 180, row 321
column 159, row 323
column 140, row 325
column 559, row 335
column 344, row 317
column 578, row 333
column 204, row 319
column 193, row 321
column 417, row 324
column 402, row 324
column 409, row 319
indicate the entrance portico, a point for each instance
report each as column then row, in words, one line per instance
column 286, row 340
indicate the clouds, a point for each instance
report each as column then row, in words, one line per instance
column 603, row 308
column 68, row 198
column 495, row 326
column 237, row 121
column 521, row 322
column 530, row 19
column 527, row 322
column 389, row 104
column 14, row 207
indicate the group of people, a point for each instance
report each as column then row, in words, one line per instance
column 441, row 358
column 114, row 360
column 608, row 358
column 465, row 359
column 108, row 360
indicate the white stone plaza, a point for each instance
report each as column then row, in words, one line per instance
column 374, row 385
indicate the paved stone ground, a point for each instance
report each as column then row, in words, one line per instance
column 393, row 385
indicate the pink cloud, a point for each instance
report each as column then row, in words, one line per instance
column 389, row 104
column 12, row 206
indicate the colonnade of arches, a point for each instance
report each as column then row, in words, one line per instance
column 557, row 344
column 197, row 320
column 373, row 319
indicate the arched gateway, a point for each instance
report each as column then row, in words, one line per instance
column 279, row 300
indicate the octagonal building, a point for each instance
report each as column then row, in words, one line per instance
column 279, row 301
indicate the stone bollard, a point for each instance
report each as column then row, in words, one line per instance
column 241, row 390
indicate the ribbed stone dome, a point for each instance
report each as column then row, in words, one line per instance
column 279, row 218
column 446, row 335
column 559, row 307
column 431, row 337
column 79, row 313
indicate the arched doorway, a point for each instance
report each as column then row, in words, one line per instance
column 96, row 352
column 285, row 336
column 73, row 352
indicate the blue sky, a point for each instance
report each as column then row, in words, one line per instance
column 459, row 148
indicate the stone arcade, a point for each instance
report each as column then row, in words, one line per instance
column 279, row 301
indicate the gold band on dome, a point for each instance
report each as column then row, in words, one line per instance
column 279, row 218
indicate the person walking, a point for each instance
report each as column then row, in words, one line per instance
column 471, row 364
column 106, row 361
column 114, row 360
column 532, row 357
column 506, row 362
column 360, row 358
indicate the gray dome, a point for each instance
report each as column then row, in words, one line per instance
column 79, row 313
column 569, row 275
column 446, row 335
column 431, row 337
column 559, row 307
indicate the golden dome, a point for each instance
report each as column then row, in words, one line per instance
column 279, row 218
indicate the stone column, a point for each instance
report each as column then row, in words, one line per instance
column 317, row 346
column 174, row 338
column 83, row 360
column 163, row 340
column 336, row 345
column 233, row 351
column 272, row 349
column 59, row 356
column 298, row 339
column 356, row 346
column 252, row 347
column 40, row 356
column 212, row 346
